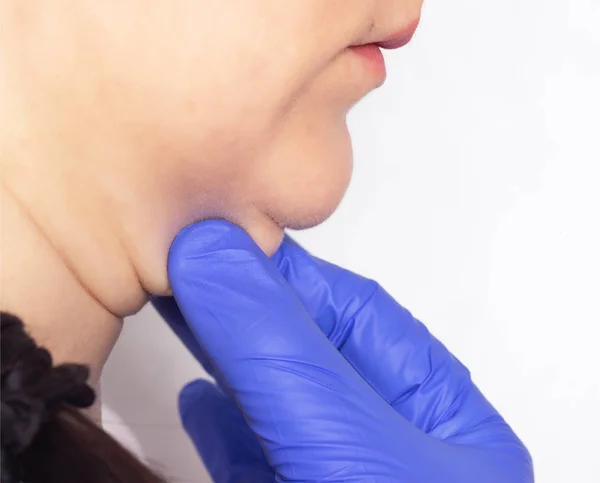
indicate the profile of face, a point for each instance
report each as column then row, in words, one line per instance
column 218, row 108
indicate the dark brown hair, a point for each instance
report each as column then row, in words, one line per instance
column 45, row 437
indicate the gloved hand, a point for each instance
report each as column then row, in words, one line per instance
column 321, row 375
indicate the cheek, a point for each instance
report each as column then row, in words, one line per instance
column 303, row 179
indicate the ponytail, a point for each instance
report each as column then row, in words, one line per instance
column 45, row 437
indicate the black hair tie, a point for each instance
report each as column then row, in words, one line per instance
column 33, row 390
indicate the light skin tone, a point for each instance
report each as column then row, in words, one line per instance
column 123, row 121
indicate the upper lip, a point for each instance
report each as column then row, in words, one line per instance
column 399, row 39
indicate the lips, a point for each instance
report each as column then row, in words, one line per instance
column 400, row 39
column 371, row 52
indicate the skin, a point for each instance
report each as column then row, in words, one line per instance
column 123, row 121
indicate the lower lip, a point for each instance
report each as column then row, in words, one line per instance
column 372, row 55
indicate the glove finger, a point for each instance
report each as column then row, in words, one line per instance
column 169, row 310
column 224, row 441
column 386, row 345
column 313, row 414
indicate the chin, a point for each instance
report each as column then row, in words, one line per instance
column 305, row 219
column 308, row 204
column 306, row 177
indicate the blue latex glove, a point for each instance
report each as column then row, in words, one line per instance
column 322, row 375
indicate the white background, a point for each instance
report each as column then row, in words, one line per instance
column 476, row 203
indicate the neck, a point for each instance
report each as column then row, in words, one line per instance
column 65, row 265
column 38, row 284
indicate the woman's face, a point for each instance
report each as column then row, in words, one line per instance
column 239, row 106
